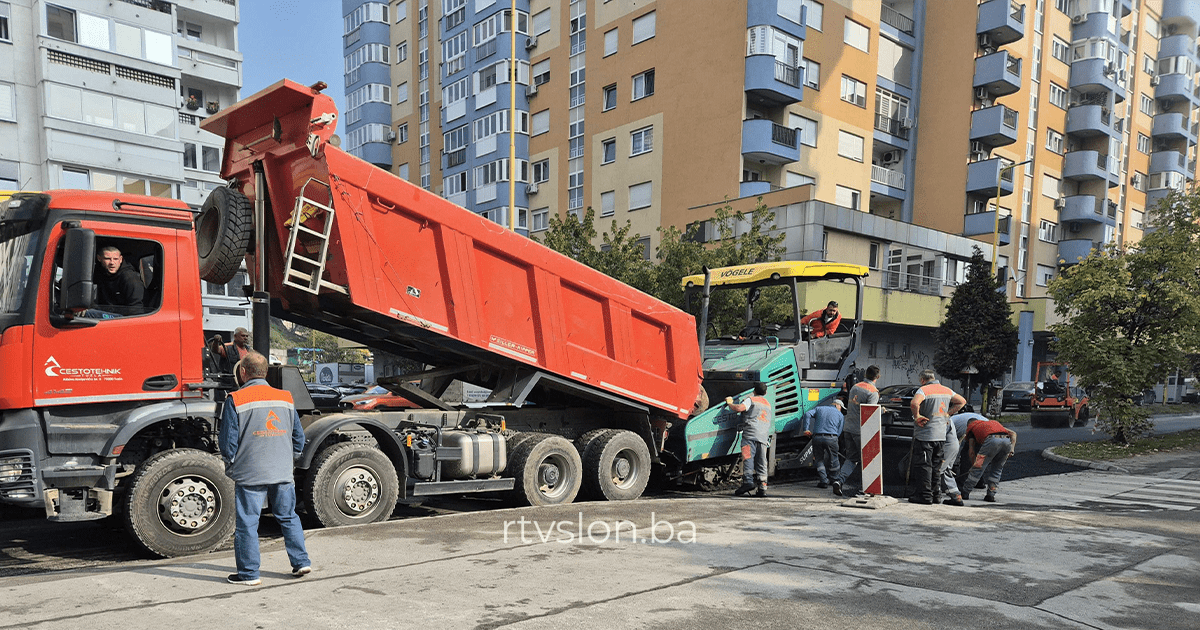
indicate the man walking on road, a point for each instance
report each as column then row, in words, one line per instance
column 863, row 393
column 758, row 425
column 996, row 443
column 260, row 436
column 932, row 406
column 824, row 425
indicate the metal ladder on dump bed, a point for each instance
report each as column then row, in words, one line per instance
column 308, row 248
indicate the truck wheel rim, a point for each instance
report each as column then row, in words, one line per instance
column 625, row 470
column 552, row 476
column 188, row 504
column 357, row 490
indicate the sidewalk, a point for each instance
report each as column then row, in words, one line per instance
column 796, row 559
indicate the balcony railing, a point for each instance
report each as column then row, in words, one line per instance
column 887, row 124
column 902, row 22
column 1013, row 66
column 787, row 74
column 485, row 50
column 1010, row 117
column 153, row 5
column 783, row 135
column 916, row 283
column 1017, row 11
column 887, row 176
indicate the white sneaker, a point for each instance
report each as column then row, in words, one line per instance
column 301, row 571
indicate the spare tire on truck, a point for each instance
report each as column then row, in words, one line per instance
column 223, row 231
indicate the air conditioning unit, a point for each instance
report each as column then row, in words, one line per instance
column 1060, row 203
column 531, row 43
column 531, row 189
column 1110, row 68
column 978, row 156
column 531, row 90
column 1075, row 226
column 977, row 147
column 890, row 157
column 986, row 42
column 1153, row 80
column 391, row 136
column 907, row 123
column 982, row 94
column 1078, row 19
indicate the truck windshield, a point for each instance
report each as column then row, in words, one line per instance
column 18, row 240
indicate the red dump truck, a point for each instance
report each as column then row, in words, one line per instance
column 105, row 415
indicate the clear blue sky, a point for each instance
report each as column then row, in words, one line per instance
column 292, row 39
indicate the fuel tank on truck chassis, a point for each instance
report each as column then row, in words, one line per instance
column 357, row 252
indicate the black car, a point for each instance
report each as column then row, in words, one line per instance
column 1016, row 395
column 324, row 397
column 897, row 414
column 348, row 389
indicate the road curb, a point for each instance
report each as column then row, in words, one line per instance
column 1049, row 454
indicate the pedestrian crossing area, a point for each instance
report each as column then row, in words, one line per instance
column 1095, row 490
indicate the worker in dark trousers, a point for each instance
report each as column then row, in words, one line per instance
column 863, row 393
column 932, row 406
column 824, row 425
column 758, row 425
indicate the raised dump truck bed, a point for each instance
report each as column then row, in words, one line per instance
column 368, row 256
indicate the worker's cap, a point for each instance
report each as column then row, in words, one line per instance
column 837, row 402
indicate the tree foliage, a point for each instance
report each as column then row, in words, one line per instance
column 740, row 238
column 1131, row 315
column 977, row 331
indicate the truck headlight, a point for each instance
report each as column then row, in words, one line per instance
column 364, row 403
column 11, row 469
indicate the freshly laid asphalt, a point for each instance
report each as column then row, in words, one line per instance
column 795, row 559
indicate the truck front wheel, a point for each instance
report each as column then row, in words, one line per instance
column 180, row 502
column 616, row 466
column 547, row 469
column 351, row 483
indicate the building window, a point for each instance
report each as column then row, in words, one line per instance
column 541, row 122
column 1058, row 96
column 608, row 151
column 847, row 197
column 541, row 171
column 541, row 72
column 610, row 42
column 8, row 109
column 643, row 28
column 807, row 128
column 857, row 35
column 1151, row 25
column 1044, row 275
column 401, row 11
column 812, row 74
column 541, row 22
column 401, row 52
column 402, row 93
column 60, row 23
column 816, row 14
column 1147, row 64
column 402, row 134
column 1061, row 5
column 643, row 85
column 854, row 91
column 1147, row 105
column 641, row 141
column 211, row 159
column 873, row 255
column 1136, row 218
column 1139, row 181
column 1054, row 141
column 539, row 220
column 5, row 36
column 1050, row 186
column 1143, row 143
column 189, row 155
column 608, row 203
column 1048, row 232
column 1060, row 50
column 640, row 194
column 610, row 97
column 850, row 146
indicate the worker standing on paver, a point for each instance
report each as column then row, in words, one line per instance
column 863, row 393
column 996, row 443
column 932, row 406
column 758, row 425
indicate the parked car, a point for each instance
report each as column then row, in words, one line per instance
column 376, row 397
column 897, row 418
column 348, row 389
column 324, row 397
column 1016, row 395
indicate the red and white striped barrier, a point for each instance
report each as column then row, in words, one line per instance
column 871, row 430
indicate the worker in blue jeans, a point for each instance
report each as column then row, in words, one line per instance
column 259, row 438
column 824, row 425
column 758, row 425
column 990, row 444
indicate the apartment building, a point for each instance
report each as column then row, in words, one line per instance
column 109, row 96
column 899, row 134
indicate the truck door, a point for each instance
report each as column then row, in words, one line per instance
column 133, row 352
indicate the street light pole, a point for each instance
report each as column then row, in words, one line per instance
column 996, row 229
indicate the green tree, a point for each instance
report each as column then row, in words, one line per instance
column 1131, row 315
column 978, row 331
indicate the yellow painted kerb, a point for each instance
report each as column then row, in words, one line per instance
column 749, row 274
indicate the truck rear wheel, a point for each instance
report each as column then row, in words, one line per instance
column 351, row 483
column 222, row 234
column 616, row 466
column 180, row 502
column 547, row 468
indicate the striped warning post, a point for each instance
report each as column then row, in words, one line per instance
column 872, row 448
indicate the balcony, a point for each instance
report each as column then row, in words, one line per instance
column 772, row 81
column 995, row 126
column 1175, row 87
column 1172, row 126
column 898, row 127
column 767, row 142
column 1086, row 166
column 999, row 73
column 1089, row 209
column 754, row 188
column 1181, row 45
column 1163, row 161
column 981, row 177
column 1003, row 21
column 984, row 223
column 1180, row 13
column 1072, row 251
column 887, row 182
column 766, row 13
column 1086, row 121
column 896, row 19
column 1097, row 75
column 1156, row 195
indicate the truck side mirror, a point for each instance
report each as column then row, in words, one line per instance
column 79, row 260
